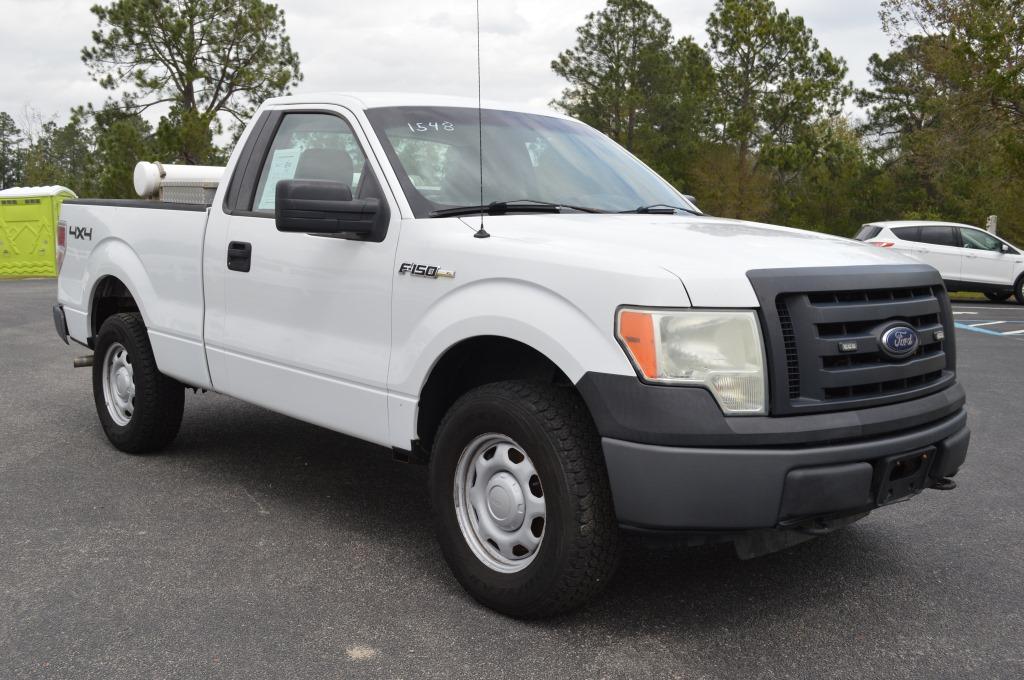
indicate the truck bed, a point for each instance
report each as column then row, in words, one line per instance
column 155, row 249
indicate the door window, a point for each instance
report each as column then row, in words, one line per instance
column 938, row 236
column 980, row 240
column 314, row 146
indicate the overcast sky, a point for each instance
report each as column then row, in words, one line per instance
column 394, row 45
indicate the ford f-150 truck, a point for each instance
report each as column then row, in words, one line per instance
column 574, row 348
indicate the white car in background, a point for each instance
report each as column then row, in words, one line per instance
column 969, row 258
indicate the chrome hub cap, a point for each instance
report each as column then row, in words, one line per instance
column 119, row 384
column 499, row 503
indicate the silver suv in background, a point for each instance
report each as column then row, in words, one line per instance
column 969, row 258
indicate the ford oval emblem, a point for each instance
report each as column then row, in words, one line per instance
column 899, row 341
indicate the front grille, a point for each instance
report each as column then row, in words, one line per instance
column 792, row 359
column 824, row 340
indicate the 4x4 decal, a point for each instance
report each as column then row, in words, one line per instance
column 80, row 233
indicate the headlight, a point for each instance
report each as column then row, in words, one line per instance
column 720, row 350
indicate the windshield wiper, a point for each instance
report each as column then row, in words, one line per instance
column 518, row 205
column 661, row 209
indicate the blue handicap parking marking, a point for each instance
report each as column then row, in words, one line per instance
column 1010, row 328
column 976, row 329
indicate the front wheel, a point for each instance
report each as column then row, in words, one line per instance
column 1018, row 289
column 140, row 409
column 521, row 499
column 998, row 297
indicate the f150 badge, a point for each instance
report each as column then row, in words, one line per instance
column 427, row 271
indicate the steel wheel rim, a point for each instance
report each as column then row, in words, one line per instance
column 119, row 384
column 499, row 503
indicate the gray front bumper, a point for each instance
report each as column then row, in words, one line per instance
column 731, row 489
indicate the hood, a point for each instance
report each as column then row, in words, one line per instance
column 710, row 255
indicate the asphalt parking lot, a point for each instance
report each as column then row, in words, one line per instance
column 262, row 547
column 1006, row 320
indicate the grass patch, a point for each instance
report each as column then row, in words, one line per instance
column 967, row 296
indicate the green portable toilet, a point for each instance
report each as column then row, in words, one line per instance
column 28, row 225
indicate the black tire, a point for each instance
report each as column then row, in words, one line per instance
column 579, row 549
column 1018, row 290
column 998, row 297
column 159, row 401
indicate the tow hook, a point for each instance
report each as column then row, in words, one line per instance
column 84, row 362
column 943, row 484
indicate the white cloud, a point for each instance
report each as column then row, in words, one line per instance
column 500, row 20
column 394, row 45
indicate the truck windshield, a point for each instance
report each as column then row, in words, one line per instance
column 527, row 157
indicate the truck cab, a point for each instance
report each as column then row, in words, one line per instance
column 571, row 345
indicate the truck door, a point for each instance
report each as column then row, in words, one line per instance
column 301, row 323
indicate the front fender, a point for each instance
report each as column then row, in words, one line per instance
column 515, row 309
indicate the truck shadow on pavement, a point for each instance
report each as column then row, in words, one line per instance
column 277, row 470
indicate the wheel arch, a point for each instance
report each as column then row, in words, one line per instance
column 1018, row 287
column 109, row 296
column 120, row 284
column 532, row 327
column 473, row 362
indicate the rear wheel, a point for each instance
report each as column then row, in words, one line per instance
column 139, row 408
column 998, row 297
column 521, row 499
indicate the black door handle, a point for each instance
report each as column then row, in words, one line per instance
column 239, row 256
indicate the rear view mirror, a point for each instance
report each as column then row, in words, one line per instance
column 313, row 206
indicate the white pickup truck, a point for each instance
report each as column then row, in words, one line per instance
column 602, row 356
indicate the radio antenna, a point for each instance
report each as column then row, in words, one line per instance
column 481, row 232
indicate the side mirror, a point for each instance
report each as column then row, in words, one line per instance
column 1003, row 248
column 313, row 206
column 691, row 199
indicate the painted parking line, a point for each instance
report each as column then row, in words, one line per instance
column 1008, row 308
column 968, row 327
column 985, row 327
